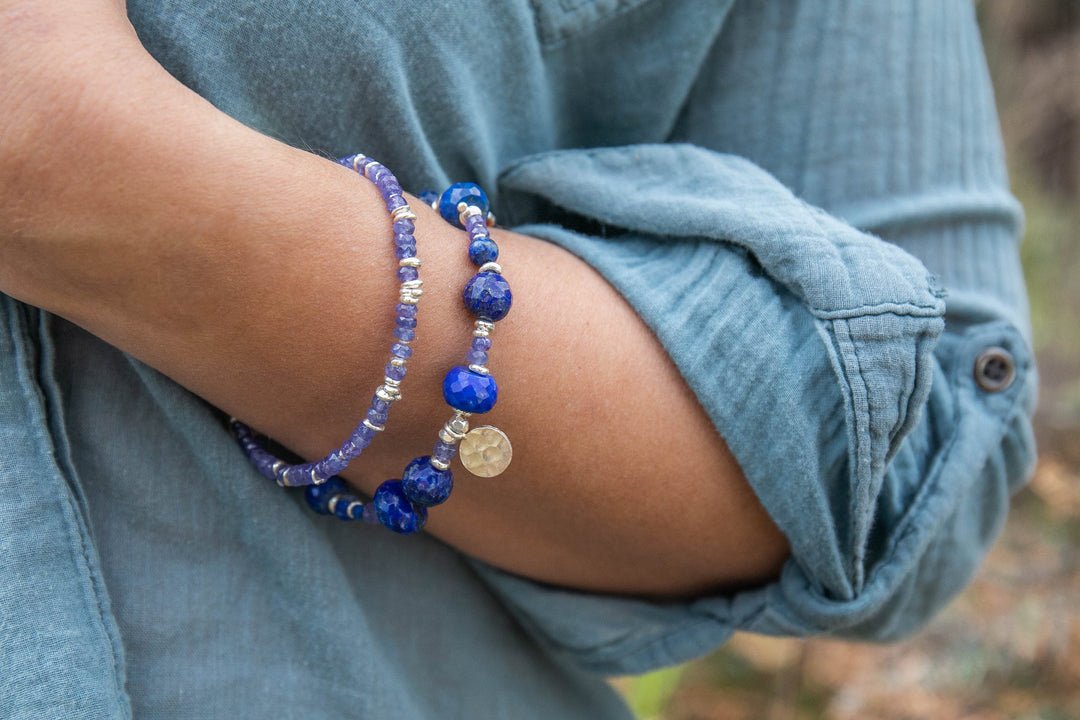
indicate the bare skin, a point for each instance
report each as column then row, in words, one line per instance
column 260, row 277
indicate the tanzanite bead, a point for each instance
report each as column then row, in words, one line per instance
column 476, row 225
column 350, row 450
column 405, row 321
column 318, row 496
column 467, row 192
column 404, row 227
column 369, row 515
column 394, row 372
column 376, row 417
column 404, row 334
column 468, row 391
column 443, row 451
column 487, row 296
column 401, row 350
column 362, row 436
column 331, row 465
column 481, row 343
column 402, row 252
column 424, row 484
column 476, row 357
column 405, row 310
column 405, row 274
column 483, row 250
column 395, row 511
column 377, row 403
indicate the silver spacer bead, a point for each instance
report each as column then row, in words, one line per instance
column 357, row 159
column 391, row 383
column 490, row 222
column 412, row 284
column 483, row 328
column 491, row 267
column 315, row 479
column 410, row 298
column 467, row 212
column 372, row 426
column 413, row 262
column 454, row 430
column 403, row 213
column 458, row 425
column 439, row 464
column 332, row 505
column 480, row 369
column 387, row 394
column 354, row 503
column 397, row 362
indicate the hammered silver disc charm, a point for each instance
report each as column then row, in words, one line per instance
column 485, row 451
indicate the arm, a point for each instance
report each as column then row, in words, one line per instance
column 269, row 303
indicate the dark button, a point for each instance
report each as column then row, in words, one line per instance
column 995, row 369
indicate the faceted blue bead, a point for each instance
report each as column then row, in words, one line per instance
column 394, row 510
column 428, row 197
column 483, row 250
column 468, row 391
column 456, row 193
column 424, row 484
column 488, row 296
column 318, row 496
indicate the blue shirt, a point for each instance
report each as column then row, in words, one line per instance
column 807, row 205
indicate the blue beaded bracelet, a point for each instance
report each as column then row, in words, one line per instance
column 401, row 505
column 319, row 472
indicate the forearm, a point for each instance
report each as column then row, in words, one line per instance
column 261, row 278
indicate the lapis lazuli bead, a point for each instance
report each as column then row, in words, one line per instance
column 424, row 484
column 318, row 496
column 341, row 507
column 469, row 391
column 487, row 296
column 428, row 197
column 483, row 250
column 459, row 192
column 394, row 510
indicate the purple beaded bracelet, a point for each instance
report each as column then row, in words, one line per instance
column 401, row 505
column 318, row 472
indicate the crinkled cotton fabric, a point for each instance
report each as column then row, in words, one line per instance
column 806, row 202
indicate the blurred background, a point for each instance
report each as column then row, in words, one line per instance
column 1009, row 647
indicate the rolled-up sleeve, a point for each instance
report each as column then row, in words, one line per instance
column 828, row 252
